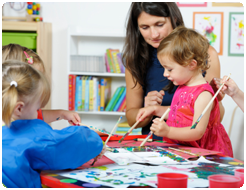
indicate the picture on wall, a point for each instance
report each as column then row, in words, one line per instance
column 236, row 34
column 227, row 4
column 192, row 4
column 210, row 25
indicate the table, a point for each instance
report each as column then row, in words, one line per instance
column 51, row 179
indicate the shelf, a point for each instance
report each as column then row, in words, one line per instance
column 101, row 113
column 98, row 74
column 109, row 32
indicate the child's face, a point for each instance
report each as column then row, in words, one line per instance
column 175, row 72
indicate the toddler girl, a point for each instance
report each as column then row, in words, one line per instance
column 183, row 54
column 29, row 145
column 20, row 53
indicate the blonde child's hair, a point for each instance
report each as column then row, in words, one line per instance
column 16, row 52
column 183, row 45
column 31, row 85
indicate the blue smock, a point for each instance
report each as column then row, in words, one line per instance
column 30, row 146
column 156, row 81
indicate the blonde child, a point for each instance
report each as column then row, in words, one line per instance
column 20, row 53
column 183, row 54
column 232, row 90
column 30, row 145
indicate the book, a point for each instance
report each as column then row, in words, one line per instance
column 115, row 61
column 95, row 93
column 71, row 91
column 111, row 101
column 106, row 63
column 110, row 63
column 120, row 100
column 123, row 105
column 122, row 67
column 123, row 124
column 83, row 93
column 117, row 98
column 78, row 93
column 123, row 127
column 105, row 92
column 87, row 93
column 99, row 95
column 91, row 93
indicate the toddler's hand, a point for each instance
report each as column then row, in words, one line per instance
column 159, row 128
column 153, row 98
column 102, row 153
column 72, row 117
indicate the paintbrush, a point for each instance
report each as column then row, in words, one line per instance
column 100, row 130
column 209, row 104
column 150, row 133
column 104, row 144
column 129, row 131
column 113, row 129
column 182, row 151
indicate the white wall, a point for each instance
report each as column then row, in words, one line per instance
column 113, row 14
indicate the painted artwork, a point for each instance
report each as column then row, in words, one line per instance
column 192, row 4
column 143, row 154
column 236, row 34
column 210, row 25
column 116, row 176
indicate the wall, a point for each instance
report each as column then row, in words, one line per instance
column 108, row 15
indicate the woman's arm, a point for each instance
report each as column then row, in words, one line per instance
column 134, row 101
column 214, row 72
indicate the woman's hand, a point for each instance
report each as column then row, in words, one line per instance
column 153, row 98
column 143, row 113
column 159, row 128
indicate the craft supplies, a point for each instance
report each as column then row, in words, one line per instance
column 182, row 151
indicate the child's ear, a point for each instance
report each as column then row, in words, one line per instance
column 193, row 64
column 18, row 110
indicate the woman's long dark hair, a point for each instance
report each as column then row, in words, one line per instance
column 136, row 52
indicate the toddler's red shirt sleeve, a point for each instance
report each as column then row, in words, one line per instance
column 40, row 114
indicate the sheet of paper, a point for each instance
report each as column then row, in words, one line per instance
column 151, row 154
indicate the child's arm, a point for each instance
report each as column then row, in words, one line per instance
column 231, row 89
column 156, row 110
column 160, row 128
column 55, row 115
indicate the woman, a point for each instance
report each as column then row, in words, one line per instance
column 148, row 24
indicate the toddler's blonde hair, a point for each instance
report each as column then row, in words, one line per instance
column 16, row 52
column 31, row 85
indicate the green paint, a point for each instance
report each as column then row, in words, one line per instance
column 101, row 167
column 68, row 180
column 204, row 170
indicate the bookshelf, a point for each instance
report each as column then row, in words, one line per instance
column 94, row 42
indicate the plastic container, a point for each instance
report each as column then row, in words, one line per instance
column 240, row 173
column 172, row 180
column 223, row 181
column 28, row 40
